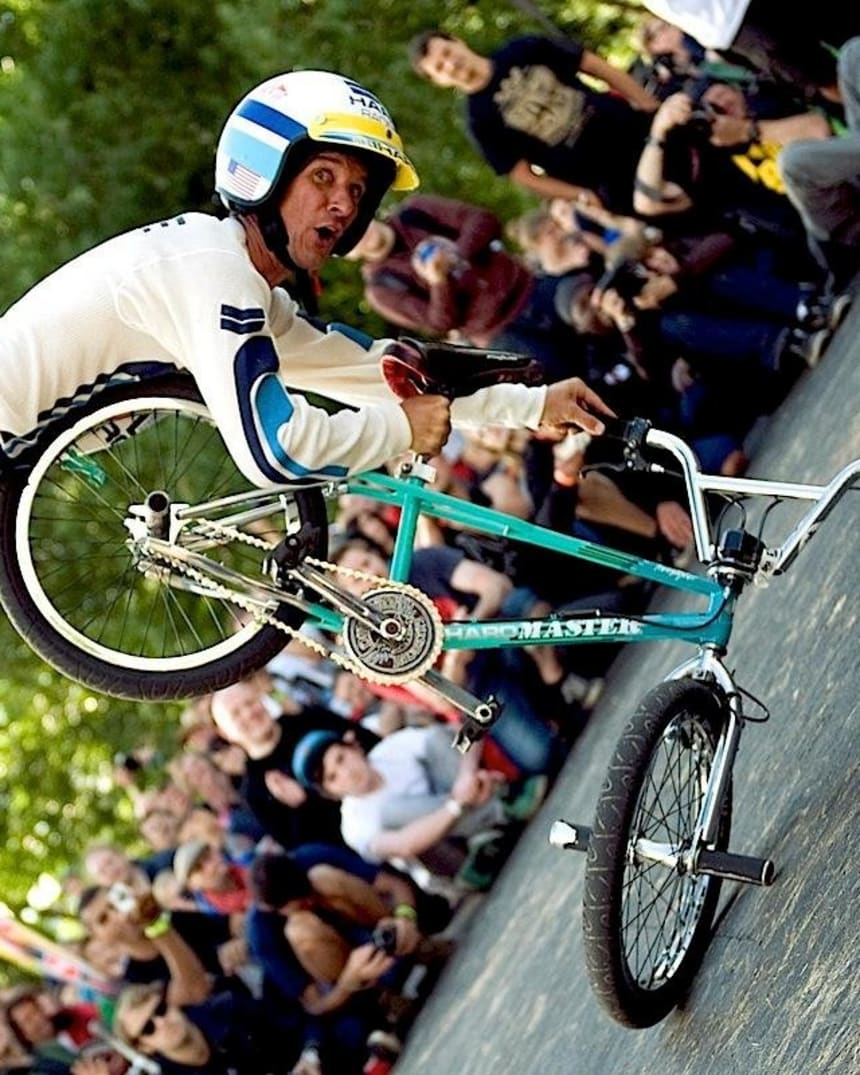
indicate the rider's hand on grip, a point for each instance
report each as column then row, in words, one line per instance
column 430, row 420
column 573, row 403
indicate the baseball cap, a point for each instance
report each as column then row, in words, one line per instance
column 186, row 858
column 308, row 756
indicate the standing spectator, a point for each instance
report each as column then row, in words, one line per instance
column 533, row 119
column 437, row 266
column 822, row 179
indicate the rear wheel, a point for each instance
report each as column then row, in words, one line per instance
column 68, row 577
column 646, row 924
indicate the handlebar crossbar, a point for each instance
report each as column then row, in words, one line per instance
column 823, row 497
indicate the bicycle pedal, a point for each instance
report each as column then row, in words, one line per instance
column 567, row 836
column 469, row 733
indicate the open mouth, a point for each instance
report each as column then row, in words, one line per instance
column 328, row 234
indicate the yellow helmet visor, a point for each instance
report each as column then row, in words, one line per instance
column 364, row 132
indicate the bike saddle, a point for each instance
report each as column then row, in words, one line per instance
column 413, row 368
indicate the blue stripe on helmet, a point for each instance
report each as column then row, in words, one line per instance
column 272, row 120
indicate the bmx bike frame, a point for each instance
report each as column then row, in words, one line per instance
column 709, row 629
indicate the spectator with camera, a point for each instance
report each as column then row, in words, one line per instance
column 670, row 59
column 436, row 265
column 709, row 164
column 192, row 1026
column 150, row 941
column 340, row 940
column 788, row 45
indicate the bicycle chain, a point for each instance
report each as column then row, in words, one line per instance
column 340, row 657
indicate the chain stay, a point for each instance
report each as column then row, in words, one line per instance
column 325, row 650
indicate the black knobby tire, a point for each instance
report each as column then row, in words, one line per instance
column 68, row 581
column 645, row 925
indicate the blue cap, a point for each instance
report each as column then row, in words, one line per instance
column 308, row 756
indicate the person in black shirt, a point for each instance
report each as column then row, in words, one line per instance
column 533, row 119
column 285, row 810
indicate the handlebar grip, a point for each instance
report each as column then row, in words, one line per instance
column 631, row 431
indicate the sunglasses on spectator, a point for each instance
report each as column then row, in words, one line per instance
column 149, row 1027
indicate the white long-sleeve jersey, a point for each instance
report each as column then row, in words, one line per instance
column 185, row 292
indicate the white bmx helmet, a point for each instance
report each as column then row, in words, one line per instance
column 278, row 125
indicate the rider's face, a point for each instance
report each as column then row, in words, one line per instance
column 320, row 204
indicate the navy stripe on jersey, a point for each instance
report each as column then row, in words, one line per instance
column 242, row 322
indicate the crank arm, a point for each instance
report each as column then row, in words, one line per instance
column 340, row 599
column 479, row 715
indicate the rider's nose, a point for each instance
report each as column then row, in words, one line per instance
column 341, row 201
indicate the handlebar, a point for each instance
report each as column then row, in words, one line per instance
column 637, row 433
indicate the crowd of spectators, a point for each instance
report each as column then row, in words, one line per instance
column 287, row 905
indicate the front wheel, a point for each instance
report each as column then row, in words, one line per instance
column 69, row 580
column 646, row 923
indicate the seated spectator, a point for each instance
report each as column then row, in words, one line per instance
column 318, row 928
column 218, row 885
column 533, row 119
column 43, row 1032
column 51, row 1036
column 107, row 864
column 406, row 797
column 437, row 266
column 209, row 785
column 160, row 829
column 283, row 807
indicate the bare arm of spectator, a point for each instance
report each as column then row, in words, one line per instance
column 489, row 586
column 546, row 186
column 473, row 787
column 348, row 894
column 363, row 968
column 738, row 130
column 189, row 981
column 618, row 80
column 653, row 194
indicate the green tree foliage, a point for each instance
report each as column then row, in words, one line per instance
column 109, row 115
